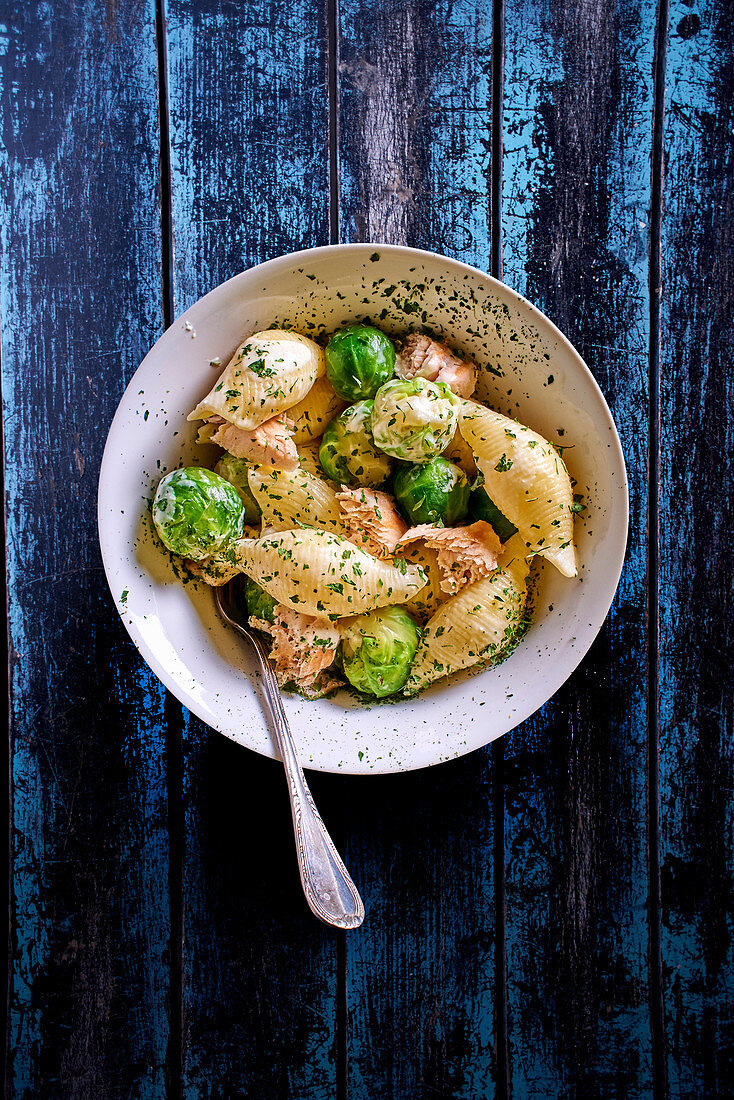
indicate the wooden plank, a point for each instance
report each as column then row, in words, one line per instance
column 421, row 974
column 415, row 125
column 249, row 156
column 260, row 971
column 696, row 612
column 415, row 166
column 249, row 136
column 81, row 303
column 578, row 135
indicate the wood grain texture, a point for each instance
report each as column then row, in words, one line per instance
column 578, row 137
column 249, row 136
column 696, row 608
column 415, row 165
column 415, row 124
column 249, row 172
column 265, row 988
column 81, row 303
column 421, row 973
column 260, row 980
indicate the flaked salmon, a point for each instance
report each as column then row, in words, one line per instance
column 465, row 554
column 420, row 355
column 303, row 650
column 270, row 444
column 372, row 521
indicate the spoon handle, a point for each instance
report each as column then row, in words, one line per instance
column 329, row 890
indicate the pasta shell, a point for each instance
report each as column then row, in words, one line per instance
column 322, row 574
column 295, row 498
column 269, row 373
column 459, row 452
column 476, row 626
column 527, row 480
column 311, row 415
column 308, row 458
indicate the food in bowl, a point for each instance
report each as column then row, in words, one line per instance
column 387, row 543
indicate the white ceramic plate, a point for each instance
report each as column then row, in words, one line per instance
column 531, row 372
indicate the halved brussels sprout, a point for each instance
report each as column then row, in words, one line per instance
column 483, row 507
column 197, row 513
column 359, row 359
column 235, row 470
column 259, row 604
column 437, row 492
column 348, row 453
column 377, row 650
column 414, row 420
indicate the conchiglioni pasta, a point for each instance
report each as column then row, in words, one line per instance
column 308, row 458
column 295, row 498
column 269, row 373
column 425, row 602
column 319, row 573
column 476, row 625
column 311, row 415
column 527, row 480
column 461, row 453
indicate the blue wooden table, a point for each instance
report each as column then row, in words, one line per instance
column 551, row 917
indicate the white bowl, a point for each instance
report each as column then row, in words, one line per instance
column 531, row 372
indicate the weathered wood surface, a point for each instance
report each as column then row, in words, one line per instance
column 578, row 106
column 414, row 124
column 539, row 846
column 81, row 303
column 421, row 979
column 249, row 176
column 696, row 609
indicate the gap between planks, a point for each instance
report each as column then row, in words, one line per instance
column 7, row 826
column 332, row 65
column 173, row 711
column 498, row 748
column 657, row 1015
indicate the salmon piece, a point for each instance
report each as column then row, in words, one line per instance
column 371, row 520
column 303, row 650
column 427, row 601
column 270, row 444
column 465, row 554
column 425, row 357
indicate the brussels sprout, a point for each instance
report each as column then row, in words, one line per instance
column 483, row 507
column 359, row 359
column 197, row 513
column 414, row 420
column 259, row 604
column 234, row 470
column 348, row 453
column 377, row 650
column 435, row 493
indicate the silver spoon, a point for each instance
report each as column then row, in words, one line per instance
column 330, row 892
